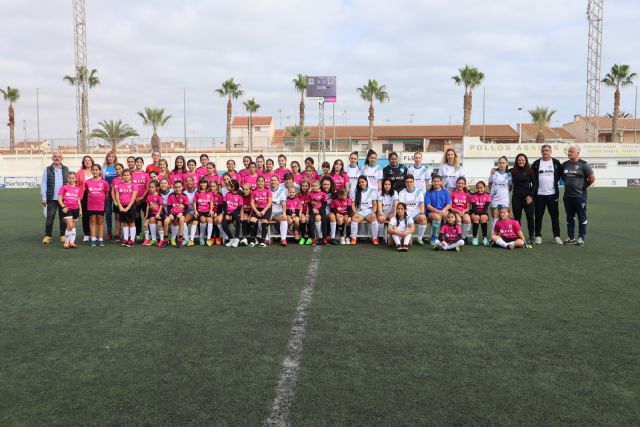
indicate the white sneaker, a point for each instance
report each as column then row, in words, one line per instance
column 229, row 243
column 243, row 242
column 580, row 241
column 234, row 242
column 262, row 245
column 86, row 239
column 511, row 245
column 538, row 240
column 557, row 240
column 252, row 244
column 343, row 241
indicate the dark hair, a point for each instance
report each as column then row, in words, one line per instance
column 333, row 168
column 310, row 160
column 140, row 158
column 481, row 182
column 297, row 163
column 96, row 164
column 369, row 154
column 527, row 168
column 192, row 160
column 465, row 189
column 184, row 164
column 436, row 176
column 154, row 182
column 326, row 164
column 405, row 214
column 358, row 197
column 332, row 188
column 203, row 155
column 341, row 192
column 282, row 156
column 252, row 163
column 131, row 157
column 393, row 153
column 213, row 165
column 203, row 180
column 390, row 192
column 246, row 157
column 287, row 176
column 235, row 186
column 87, row 157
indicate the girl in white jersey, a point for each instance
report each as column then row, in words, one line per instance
column 420, row 172
column 278, row 199
column 450, row 169
column 373, row 171
column 401, row 227
column 365, row 206
column 354, row 172
column 387, row 202
column 499, row 188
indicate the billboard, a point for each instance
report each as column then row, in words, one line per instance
column 322, row 87
column 20, row 182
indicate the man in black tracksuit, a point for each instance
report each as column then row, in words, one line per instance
column 547, row 171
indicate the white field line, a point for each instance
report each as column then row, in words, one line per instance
column 286, row 388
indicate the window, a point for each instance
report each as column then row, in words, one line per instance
column 387, row 148
column 600, row 165
column 435, row 145
column 413, row 146
column 257, row 128
column 628, row 162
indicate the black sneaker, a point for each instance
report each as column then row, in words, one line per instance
column 335, row 242
column 570, row 241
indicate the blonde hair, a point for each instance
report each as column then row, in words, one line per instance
column 456, row 161
column 115, row 157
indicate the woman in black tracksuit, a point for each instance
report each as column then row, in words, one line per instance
column 523, row 186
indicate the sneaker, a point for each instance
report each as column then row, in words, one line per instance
column 116, row 238
column 94, row 243
column 528, row 246
column 334, row 242
column 62, row 239
column 131, row 243
column 343, row 241
column 283, row 243
column 325, row 241
column 458, row 248
column 511, row 245
column 86, row 239
column 375, row 242
column 251, row 244
column 154, row 242
column 65, row 245
column 314, row 241
column 432, row 241
column 161, row 243
column 229, row 244
column 210, row 242
column 580, row 241
column 190, row 243
column 437, row 248
column 302, row 241
column 201, row 241
column 218, row 241
column 570, row 241
column 101, row 243
column 46, row 240
column 262, row 245
column 235, row 242
column 123, row 243
column 354, row 240
column 244, row 242
column 485, row 241
column 147, row 242
column 538, row 240
column 420, row 242
column 309, row 241
column 173, row 242
column 398, row 248
column 474, row 241
column 405, row 249
column 557, row 240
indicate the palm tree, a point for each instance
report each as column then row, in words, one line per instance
column 370, row 92
column 299, row 132
column 231, row 90
column 113, row 131
column 90, row 77
column 470, row 77
column 300, row 85
column 541, row 116
column 155, row 118
column 618, row 77
column 251, row 108
column 12, row 95
column 621, row 115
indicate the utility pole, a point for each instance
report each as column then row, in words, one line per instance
column 82, row 73
column 594, row 56
column 38, row 112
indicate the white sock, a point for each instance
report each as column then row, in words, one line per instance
column 438, row 243
column 161, row 233
column 209, row 230
column 374, row 229
column 396, row 239
column 381, row 230
column 354, row 229
column 407, row 239
column 333, row 229
column 222, row 233
column 203, row 230
column 454, row 245
column 125, row 233
column 174, row 231
column 465, row 230
column 153, row 228
column 146, row 233
column 132, row 232
column 284, row 226
column 501, row 243
column 94, row 239
column 67, row 235
column 493, row 225
column 73, row 235
column 511, row 245
column 422, row 228
column 185, row 231
column 318, row 230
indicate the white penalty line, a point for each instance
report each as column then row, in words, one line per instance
column 286, row 388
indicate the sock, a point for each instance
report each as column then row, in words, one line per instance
column 263, row 231
column 193, row 232
column 153, row 228
column 484, row 229
column 185, row 231
column 422, row 228
column 465, row 230
column 209, row 230
column 381, row 231
column 396, row 239
column 435, row 229
column 475, row 229
column 146, row 233
column 246, row 225
column 125, row 233
column 203, row 230
column 73, row 235
column 67, row 235
column 438, row 243
column 493, row 223
column 161, row 233
column 222, row 232
column 132, row 232
column 343, row 227
column 501, row 243
column 318, row 230
column 354, row 229
column 284, row 226
column 94, row 239
column 174, row 231
column 374, row 229
column 253, row 229
column 302, row 229
column 333, row 229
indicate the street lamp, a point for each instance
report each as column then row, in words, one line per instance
column 519, row 125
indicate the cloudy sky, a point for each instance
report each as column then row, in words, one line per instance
column 146, row 52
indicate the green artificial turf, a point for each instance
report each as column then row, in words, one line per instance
column 197, row 336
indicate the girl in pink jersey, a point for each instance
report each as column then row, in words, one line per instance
column 480, row 202
column 461, row 205
column 178, row 204
column 450, row 237
column 212, row 174
column 305, row 225
column 246, row 160
column 317, row 205
column 261, row 200
column 507, row 232
column 178, row 171
column 202, row 169
column 293, row 206
column 83, row 175
column 69, row 199
column 191, row 171
column 246, row 214
column 340, row 215
column 126, row 193
column 326, row 169
column 231, row 170
column 203, row 209
column 153, row 175
column 218, row 206
column 252, row 177
column 97, row 190
column 260, row 164
column 282, row 167
column 233, row 211
column 296, row 172
column 154, row 214
column 114, row 185
column 163, row 170
column 339, row 176
column 141, row 179
column 309, row 174
column 269, row 172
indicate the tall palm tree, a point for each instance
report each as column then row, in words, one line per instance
column 300, row 85
column 155, row 118
column 621, row 115
column 471, row 78
column 231, row 90
column 299, row 133
column 11, row 95
column 541, row 116
column 251, row 107
column 83, row 74
column 618, row 77
column 114, row 132
column 370, row 92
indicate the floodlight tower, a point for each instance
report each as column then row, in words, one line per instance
column 82, row 74
column 594, row 55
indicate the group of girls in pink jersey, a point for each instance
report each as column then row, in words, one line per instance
column 191, row 204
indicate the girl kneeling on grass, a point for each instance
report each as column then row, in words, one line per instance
column 126, row 193
column 178, row 203
column 507, row 233
column 450, row 238
column 69, row 200
column 400, row 228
